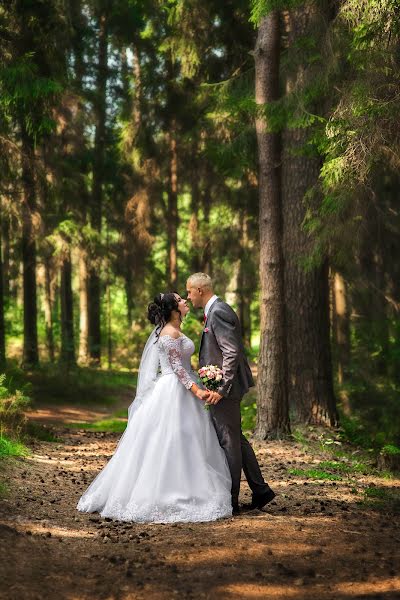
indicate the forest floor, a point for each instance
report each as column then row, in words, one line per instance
column 332, row 532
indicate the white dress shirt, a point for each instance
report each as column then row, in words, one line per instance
column 209, row 304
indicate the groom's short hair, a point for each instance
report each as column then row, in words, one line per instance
column 201, row 280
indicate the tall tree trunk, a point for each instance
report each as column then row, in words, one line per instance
column 272, row 405
column 83, row 309
column 48, row 309
column 172, row 225
column 137, row 96
column 5, row 235
column 67, row 318
column 109, row 324
column 206, row 258
column 341, row 326
column 194, row 219
column 128, row 279
column 94, row 283
column 2, row 322
column 245, row 287
column 306, row 292
column 78, row 43
column 30, row 352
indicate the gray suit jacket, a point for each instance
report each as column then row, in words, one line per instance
column 221, row 344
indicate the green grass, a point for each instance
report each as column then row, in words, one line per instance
column 385, row 499
column 350, row 467
column 9, row 447
column 122, row 413
column 314, row 474
column 299, row 437
column 105, row 425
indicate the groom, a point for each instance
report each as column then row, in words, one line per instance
column 221, row 344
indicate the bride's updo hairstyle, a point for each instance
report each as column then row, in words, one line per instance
column 160, row 310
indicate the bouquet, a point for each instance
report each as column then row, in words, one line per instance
column 211, row 377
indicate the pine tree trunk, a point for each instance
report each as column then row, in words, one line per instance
column 83, row 309
column 78, row 44
column 67, row 318
column 2, row 322
column 172, row 225
column 137, row 97
column 48, row 309
column 310, row 385
column 6, row 259
column 272, row 406
column 341, row 326
column 128, row 277
column 94, row 284
column 206, row 258
column 30, row 352
column 307, row 297
column 194, row 219
column 245, row 286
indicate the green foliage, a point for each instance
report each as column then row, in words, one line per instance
column 261, row 8
column 360, row 136
column 10, row 447
column 248, row 410
column 390, row 449
column 41, row 432
column 12, row 407
column 81, row 385
column 370, row 426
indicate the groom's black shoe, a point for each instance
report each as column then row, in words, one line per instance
column 236, row 510
column 263, row 499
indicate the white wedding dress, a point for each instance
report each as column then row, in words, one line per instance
column 168, row 465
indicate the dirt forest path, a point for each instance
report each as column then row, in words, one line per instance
column 319, row 540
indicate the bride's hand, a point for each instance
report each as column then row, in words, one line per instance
column 202, row 394
column 199, row 393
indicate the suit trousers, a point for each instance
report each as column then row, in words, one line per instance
column 239, row 453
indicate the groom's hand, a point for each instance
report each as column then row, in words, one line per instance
column 214, row 398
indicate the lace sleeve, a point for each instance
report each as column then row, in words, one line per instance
column 174, row 354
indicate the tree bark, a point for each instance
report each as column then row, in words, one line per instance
column 5, row 234
column 206, row 257
column 83, row 309
column 67, row 355
column 272, row 405
column 94, row 284
column 306, row 292
column 341, row 326
column 245, row 285
column 78, row 42
column 48, row 309
column 194, row 209
column 30, row 351
column 2, row 322
column 172, row 225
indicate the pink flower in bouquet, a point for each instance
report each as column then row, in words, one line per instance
column 211, row 377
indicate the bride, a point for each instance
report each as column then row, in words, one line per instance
column 168, row 465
